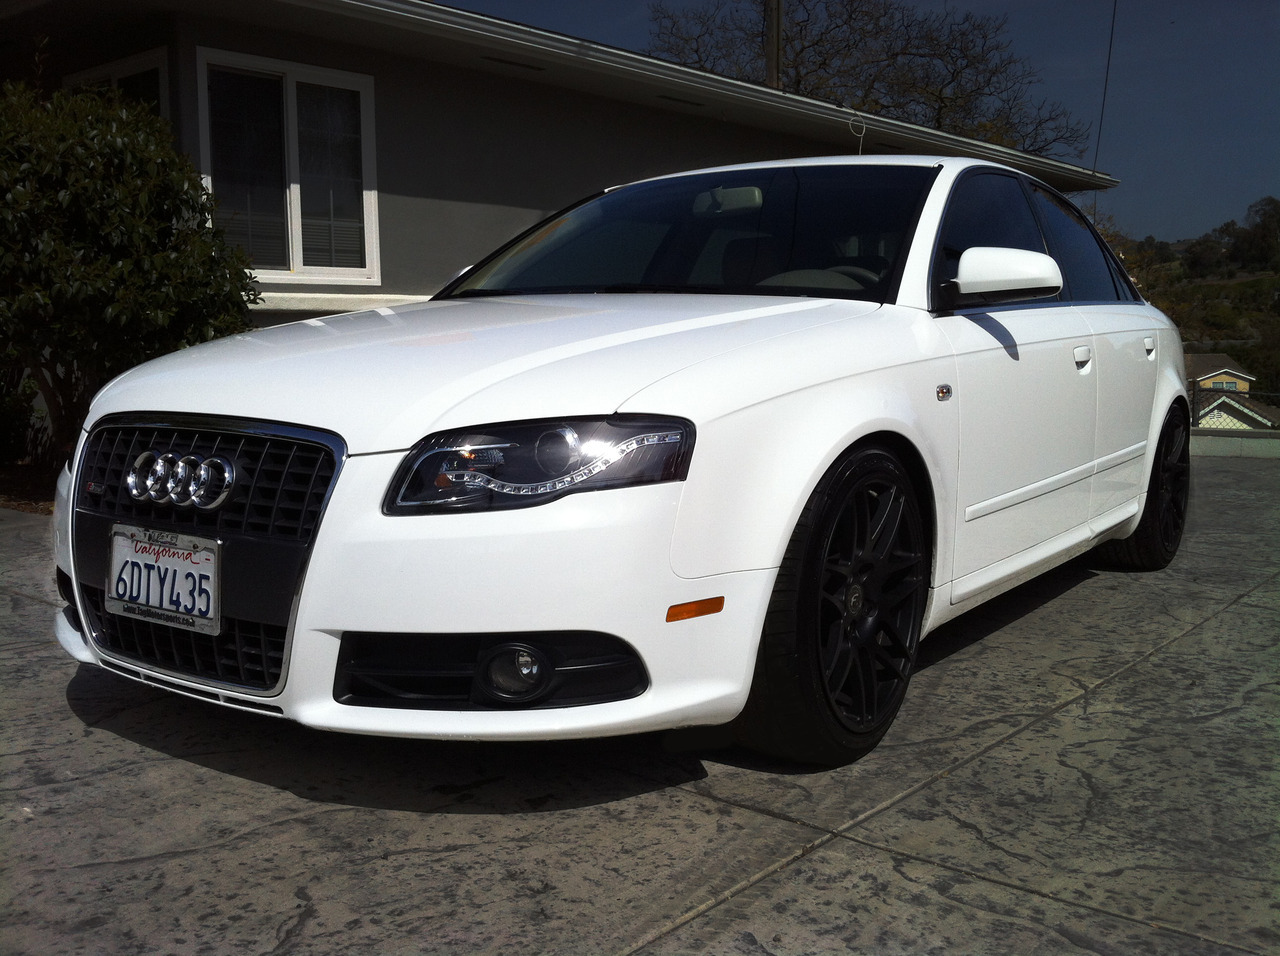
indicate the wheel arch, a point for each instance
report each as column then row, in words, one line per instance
column 710, row 533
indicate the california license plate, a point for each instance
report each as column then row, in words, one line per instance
column 165, row 577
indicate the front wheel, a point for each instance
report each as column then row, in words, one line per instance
column 844, row 621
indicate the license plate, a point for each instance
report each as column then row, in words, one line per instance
column 165, row 577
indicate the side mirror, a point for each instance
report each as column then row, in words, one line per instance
column 990, row 275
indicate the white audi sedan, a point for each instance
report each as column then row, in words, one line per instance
column 709, row 448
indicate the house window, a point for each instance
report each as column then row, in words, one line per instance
column 288, row 152
column 144, row 78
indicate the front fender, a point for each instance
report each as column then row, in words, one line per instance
column 781, row 412
column 746, row 526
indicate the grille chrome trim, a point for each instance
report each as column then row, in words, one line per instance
column 146, row 677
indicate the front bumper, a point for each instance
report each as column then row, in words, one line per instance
column 594, row 563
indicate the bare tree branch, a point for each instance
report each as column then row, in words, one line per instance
column 951, row 71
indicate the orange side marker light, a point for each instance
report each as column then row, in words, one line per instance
column 685, row 612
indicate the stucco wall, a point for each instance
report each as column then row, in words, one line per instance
column 468, row 159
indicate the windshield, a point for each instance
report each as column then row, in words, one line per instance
column 832, row 231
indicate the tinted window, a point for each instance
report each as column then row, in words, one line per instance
column 331, row 181
column 987, row 209
column 837, row 231
column 1086, row 267
column 247, row 151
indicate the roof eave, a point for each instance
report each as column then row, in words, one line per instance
column 694, row 91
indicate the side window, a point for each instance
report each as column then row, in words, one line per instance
column 987, row 209
column 1086, row 266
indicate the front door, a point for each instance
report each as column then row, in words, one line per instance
column 1027, row 392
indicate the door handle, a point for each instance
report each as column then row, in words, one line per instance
column 1084, row 355
column 1149, row 344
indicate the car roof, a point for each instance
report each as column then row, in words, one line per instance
column 952, row 163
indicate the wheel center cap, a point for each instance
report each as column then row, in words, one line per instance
column 854, row 599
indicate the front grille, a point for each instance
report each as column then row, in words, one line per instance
column 284, row 476
column 281, row 485
column 246, row 654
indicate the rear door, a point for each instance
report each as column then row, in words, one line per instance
column 1125, row 353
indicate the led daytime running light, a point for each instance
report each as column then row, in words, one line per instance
column 615, row 454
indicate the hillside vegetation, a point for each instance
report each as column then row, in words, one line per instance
column 1222, row 289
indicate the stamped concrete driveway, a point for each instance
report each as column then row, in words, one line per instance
column 1090, row 764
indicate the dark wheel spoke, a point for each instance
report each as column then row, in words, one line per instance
column 837, row 659
column 1177, row 441
column 892, row 665
column 834, row 601
column 885, row 523
column 902, row 581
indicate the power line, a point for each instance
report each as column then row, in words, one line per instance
column 1102, row 113
column 1106, row 82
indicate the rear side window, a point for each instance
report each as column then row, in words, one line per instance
column 1086, row 266
column 986, row 209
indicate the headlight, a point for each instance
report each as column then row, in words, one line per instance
column 520, row 464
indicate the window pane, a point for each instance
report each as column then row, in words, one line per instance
column 331, row 180
column 985, row 210
column 246, row 145
column 1084, row 265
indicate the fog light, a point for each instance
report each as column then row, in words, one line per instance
column 515, row 672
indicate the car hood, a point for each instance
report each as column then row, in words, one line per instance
column 383, row 379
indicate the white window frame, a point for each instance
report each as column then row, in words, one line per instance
column 110, row 74
column 292, row 74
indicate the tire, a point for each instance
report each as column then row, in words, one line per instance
column 1155, row 541
column 843, row 624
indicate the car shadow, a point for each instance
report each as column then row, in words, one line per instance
column 998, row 613
column 469, row 776
column 947, row 641
column 380, row 772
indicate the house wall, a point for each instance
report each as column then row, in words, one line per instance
column 1219, row 418
column 469, row 159
column 1224, row 381
column 465, row 159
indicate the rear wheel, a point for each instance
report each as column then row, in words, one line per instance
column 1155, row 541
column 844, row 622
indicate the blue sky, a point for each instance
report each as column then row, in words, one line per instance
column 1192, row 123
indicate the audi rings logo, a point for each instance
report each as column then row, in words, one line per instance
column 204, row 483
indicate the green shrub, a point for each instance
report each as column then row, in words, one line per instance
column 16, row 392
column 108, row 255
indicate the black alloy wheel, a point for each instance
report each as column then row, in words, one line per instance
column 1173, row 489
column 1159, row 533
column 869, row 602
column 844, row 622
